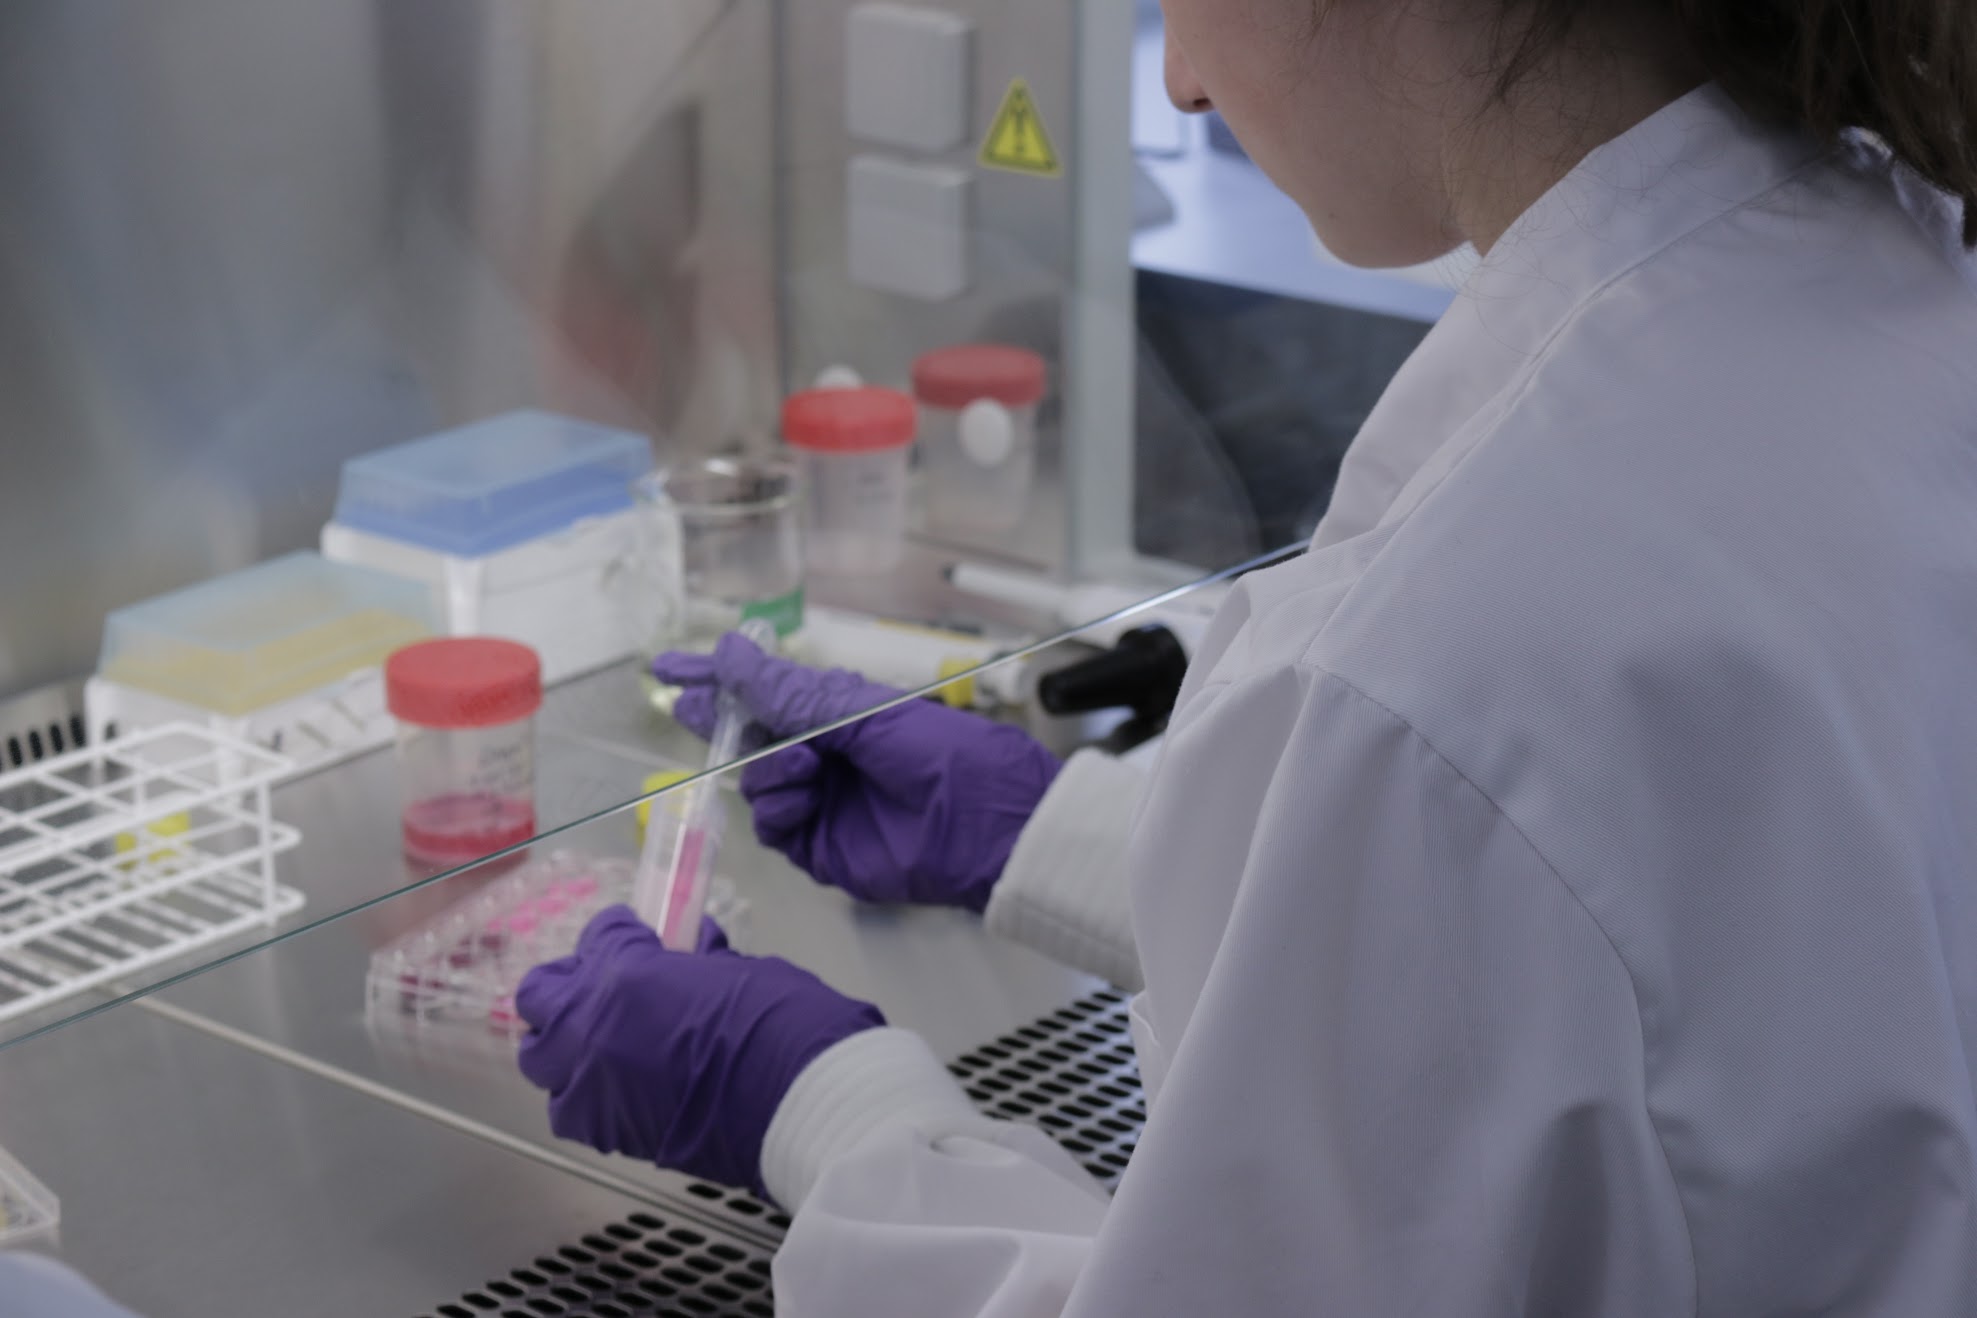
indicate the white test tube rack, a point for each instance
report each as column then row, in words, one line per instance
column 130, row 853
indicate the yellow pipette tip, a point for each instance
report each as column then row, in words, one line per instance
column 173, row 825
column 656, row 783
column 960, row 693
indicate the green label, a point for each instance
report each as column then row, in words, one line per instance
column 784, row 612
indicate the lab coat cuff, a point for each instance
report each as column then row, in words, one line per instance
column 874, row 1079
column 1063, row 891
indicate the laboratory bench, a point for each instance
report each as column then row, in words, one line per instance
column 243, row 1141
column 199, row 1178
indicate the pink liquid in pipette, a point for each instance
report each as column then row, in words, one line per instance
column 692, row 843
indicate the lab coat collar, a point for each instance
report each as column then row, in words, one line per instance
column 1690, row 162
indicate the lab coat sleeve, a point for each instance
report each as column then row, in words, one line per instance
column 909, row 1201
column 36, row 1287
column 1063, row 891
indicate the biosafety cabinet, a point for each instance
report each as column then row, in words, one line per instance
column 245, row 245
column 245, row 242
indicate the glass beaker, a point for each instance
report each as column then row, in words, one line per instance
column 720, row 542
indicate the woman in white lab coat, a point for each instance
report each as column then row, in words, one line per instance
column 1558, row 890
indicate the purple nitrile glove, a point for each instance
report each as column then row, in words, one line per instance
column 920, row 803
column 675, row 1057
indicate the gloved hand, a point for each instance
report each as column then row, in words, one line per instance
column 678, row 1058
column 921, row 803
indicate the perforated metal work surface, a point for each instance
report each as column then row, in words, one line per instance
column 646, row 1264
column 1070, row 1072
column 42, row 723
column 747, row 1214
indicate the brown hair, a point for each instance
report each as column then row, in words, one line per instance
column 1905, row 70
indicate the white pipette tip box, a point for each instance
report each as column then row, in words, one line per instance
column 519, row 525
column 453, row 979
column 29, row 1212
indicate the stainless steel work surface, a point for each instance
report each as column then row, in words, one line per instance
column 200, row 1180
column 264, row 1137
column 609, row 710
column 936, row 971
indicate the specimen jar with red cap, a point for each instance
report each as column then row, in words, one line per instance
column 853, row 446
column 466, row 709
column 978, row 433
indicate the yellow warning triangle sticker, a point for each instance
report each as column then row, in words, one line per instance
column 1017, row 140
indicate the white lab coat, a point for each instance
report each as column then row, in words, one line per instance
column 1558, row 892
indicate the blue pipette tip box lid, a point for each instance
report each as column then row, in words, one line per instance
column 493, row 484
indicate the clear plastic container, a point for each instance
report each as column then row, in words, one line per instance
column 453, row 979
column 253, row 638
column 854, row 446
column 492, row 484
column 720, row 542
column 466, row 745
column 978, row 433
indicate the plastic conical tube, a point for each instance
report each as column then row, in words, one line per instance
column 671, row 893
